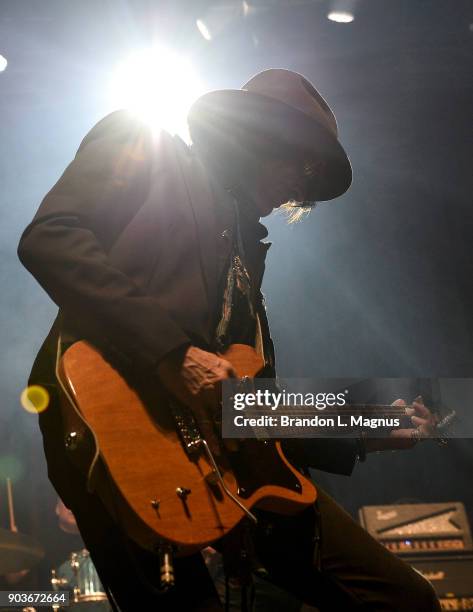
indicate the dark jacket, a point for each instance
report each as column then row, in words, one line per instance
column 125, row 244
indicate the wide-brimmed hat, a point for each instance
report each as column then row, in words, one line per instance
column 285, row 106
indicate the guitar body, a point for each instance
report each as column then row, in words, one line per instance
column 123, row 438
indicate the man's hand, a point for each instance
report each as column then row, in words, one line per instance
column 425, row 424
column 194, row 377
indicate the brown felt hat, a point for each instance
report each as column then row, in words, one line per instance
column 282, row 104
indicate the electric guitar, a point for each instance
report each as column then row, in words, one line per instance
column 143, row 455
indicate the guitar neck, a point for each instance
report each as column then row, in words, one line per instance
column 345, row 419
column 364, row 410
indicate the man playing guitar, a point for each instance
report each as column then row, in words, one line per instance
column 153, row 252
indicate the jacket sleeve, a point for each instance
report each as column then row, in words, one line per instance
column 65, row 246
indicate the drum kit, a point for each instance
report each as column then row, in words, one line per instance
column 77, row 575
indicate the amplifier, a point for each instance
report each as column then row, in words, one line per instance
column 451, row 578
column 419, row 529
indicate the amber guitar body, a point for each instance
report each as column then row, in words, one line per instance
column 122, row 435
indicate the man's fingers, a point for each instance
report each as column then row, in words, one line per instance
column 399, row 402
column 425, row 426
column 231, row 372
column 227, row 369
column 194, row 378
column 421, row 410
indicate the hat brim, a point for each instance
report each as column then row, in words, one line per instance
column 226, row 115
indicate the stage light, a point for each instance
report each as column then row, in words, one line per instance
column 341, row 16
column 203, row 29
column 3, row 63
column 159, row 86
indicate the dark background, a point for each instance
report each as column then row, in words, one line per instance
column 375, row 284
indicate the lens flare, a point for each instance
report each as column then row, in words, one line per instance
column 35, row 399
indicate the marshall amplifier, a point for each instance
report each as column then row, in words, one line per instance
column 451, row 578
column 419, row 529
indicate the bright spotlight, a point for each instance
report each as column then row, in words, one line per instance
column 159, row 86
column 341, row 16
column 3, row 63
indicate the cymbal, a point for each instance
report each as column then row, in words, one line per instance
column 18, row 551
